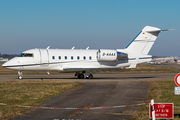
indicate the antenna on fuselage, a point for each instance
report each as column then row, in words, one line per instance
column 48, row 47
column 87, row 48
column 73, row 48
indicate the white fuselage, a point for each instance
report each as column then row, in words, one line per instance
column 87, row 61
column 68, row 60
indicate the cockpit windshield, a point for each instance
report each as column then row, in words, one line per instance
column 25, row 55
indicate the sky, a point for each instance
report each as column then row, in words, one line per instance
column 99, row 24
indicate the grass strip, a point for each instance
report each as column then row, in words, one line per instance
column 30, row 93
column 161, row 92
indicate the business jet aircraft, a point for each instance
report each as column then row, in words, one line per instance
column 87, row 62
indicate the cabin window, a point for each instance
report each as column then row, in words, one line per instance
column 65, row 57
column 71, row 57
column 53, row 57
column 25, row 55
column 78, row 57
column 90, row 57
column 84, row 57
column 59, row 57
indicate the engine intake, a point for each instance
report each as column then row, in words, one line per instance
column 110, row 55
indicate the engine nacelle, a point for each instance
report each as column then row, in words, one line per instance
column 110, row 55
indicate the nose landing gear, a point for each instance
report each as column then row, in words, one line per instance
column 20, row 75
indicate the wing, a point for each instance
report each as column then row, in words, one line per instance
column 94, row 70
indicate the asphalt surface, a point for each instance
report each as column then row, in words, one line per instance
column 104, row 90
column 97, row 77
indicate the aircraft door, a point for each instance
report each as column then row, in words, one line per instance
column 44, row 59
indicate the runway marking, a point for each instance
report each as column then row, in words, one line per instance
column 90, row 108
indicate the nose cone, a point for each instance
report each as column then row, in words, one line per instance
column 11, row 64
column 5, row 64
column 8, row 63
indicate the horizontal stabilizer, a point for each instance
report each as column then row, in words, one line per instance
column 159, row 30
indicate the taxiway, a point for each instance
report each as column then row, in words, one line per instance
column 104, row 90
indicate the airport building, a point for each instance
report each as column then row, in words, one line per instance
column 3, row 59
column 171, row 59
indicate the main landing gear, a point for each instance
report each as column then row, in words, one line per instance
column 20, row 75
column 81, row 75
column 90, row 76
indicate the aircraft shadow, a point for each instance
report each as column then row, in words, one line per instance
column 176, row 115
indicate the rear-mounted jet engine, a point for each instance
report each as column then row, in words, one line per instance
column 110, row 55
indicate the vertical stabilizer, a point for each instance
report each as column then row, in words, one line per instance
column 143, row 42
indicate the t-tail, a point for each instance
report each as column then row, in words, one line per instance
column 143, row 42
column 140, row 46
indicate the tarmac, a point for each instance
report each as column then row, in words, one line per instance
column 97, row 77
column 104, row 90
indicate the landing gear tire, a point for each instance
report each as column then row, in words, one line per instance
column 90, row 76
column 20, row 77
column 81, row 76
